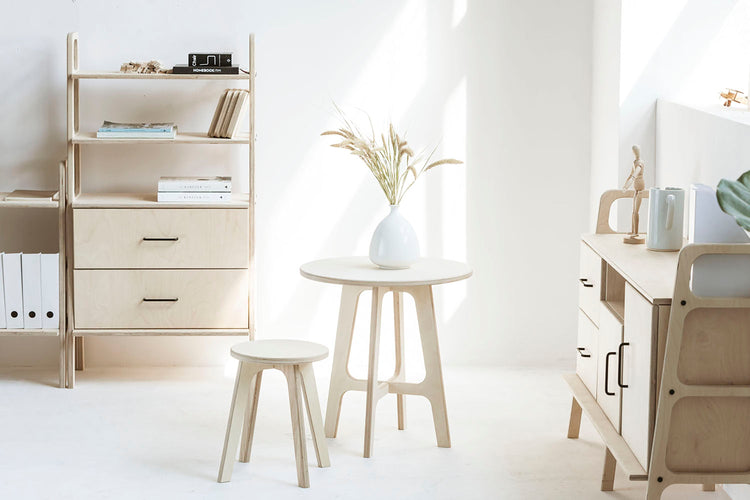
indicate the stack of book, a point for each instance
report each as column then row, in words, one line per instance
column 112, row 130
column 229, row 113
column 207, row 63
column 29, row 290
column 195, row 189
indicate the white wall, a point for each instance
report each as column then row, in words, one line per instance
column 503, row 85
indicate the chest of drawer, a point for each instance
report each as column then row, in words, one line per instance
column 160, row 238
column 209, row 298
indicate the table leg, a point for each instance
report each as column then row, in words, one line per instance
column 433, row 380
column 372, row 369
column 339, row 370
column 399, row 373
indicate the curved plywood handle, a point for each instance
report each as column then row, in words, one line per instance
column 605, row 206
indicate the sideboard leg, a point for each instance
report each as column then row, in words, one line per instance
column 574, row 427
column 709, row 487
column 608, row 474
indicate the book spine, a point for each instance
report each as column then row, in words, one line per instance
column 193, row 197
column 210, row 70
column 209, row 59
column 200, row 186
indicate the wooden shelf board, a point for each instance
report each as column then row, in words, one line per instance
column 181, row 138
column 148, row 200
column 612, row 439
column 43, row 203
column 617, row 308
column 165, row 332
column 116, row 75
column 35, row 332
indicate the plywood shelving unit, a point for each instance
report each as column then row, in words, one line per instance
column 164, row 293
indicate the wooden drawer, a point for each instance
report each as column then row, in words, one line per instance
column 590, row 283
column 608, row 392
column 587, row 354
column 160, row 238
column 211, row 298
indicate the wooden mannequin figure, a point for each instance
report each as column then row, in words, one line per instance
column 636, row 180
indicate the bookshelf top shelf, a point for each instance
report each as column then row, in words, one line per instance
column 116, row 75
column 40, row 203
column 148, row 200
column 35, row 332
column 181, row 138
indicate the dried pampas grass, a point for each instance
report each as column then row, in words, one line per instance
column 390, row 160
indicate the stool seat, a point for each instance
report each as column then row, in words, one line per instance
column 280, row 352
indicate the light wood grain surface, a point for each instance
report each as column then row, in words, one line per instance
column 148, row 200
column 359, row 271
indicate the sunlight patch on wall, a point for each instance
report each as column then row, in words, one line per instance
column 459, row 12
column 645, row 25
column 454, row 192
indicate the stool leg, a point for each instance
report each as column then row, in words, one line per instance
column 294, row 382
column 310, row 391
column 245, row 373
column 339, row 370
column 248, row 428
column 433, row 380
column 399, row 372
column 372, row 370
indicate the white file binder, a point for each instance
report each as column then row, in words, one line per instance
column 13, row 296
column 2, row 295
column 50, row 290
column 31, row 275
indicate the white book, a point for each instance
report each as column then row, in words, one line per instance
column 31, row 277
column 50, row 290
column 192, row 184
column 187, row 197
column 2, row 294
column 13, row 294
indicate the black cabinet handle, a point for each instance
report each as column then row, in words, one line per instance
column 606, row 374
column 171, row 299
column 580, row 351
column 584, row 282
column 619, row 365
column 173, row 238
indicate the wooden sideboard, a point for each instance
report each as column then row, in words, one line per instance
column 625, row 294
column 663, row 374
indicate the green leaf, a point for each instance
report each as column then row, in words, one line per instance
column 734, row 199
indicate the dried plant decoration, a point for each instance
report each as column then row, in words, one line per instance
column 389, row 157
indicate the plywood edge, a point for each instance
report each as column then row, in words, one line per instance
column 614, row 441
column 164, row 332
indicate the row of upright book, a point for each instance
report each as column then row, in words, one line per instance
column 30, row 291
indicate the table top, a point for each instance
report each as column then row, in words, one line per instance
column 651, row 273
column 360, row 271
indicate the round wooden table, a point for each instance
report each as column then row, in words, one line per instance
column 358, row 274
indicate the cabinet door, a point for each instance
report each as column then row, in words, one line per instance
column 587, row 354
column 589, row 288
column 638, row 375
column 608, row 393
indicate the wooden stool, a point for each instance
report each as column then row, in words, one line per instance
column 294, row 358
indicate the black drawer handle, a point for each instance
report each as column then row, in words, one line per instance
column 171, row 299
column 619, row 365
column 584, row 282
column 606, row 374
column 580, row 351
column 173, row 238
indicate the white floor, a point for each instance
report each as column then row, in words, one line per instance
column 158, row 432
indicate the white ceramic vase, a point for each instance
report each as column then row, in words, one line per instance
column 394, row 243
